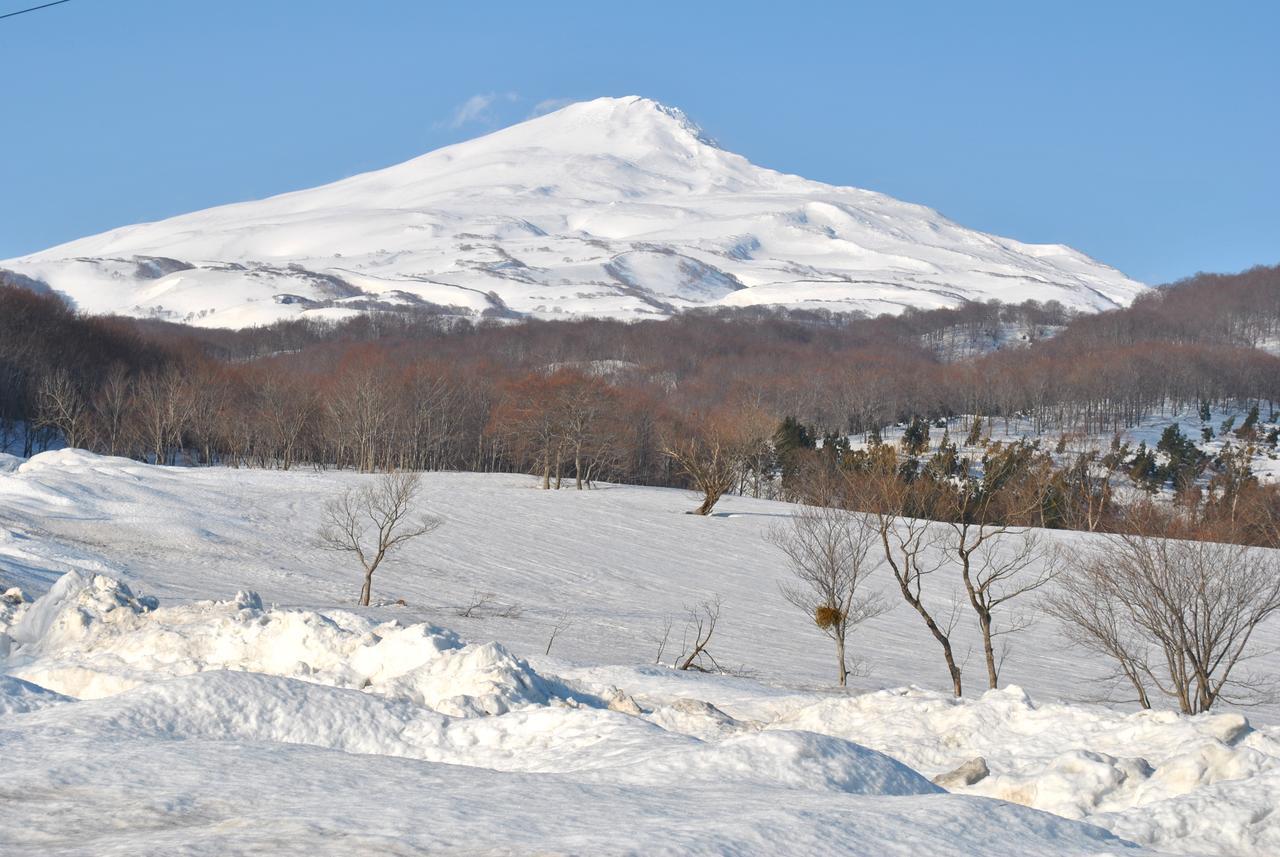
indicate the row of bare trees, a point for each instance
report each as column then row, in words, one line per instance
column 1174, row 617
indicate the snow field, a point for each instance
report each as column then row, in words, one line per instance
column 142, row 687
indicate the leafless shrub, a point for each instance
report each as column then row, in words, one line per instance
column 695, row 653
column 562, row 624
column 478, row 603
column 662, row 639
column 511, row 611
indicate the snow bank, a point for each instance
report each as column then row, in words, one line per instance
column 786, row 759
column 13, row 605
column 91, row 637
column 19, row 697
column 1153, row 776
column 236, row 670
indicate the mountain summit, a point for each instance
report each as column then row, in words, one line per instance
column 618, row 207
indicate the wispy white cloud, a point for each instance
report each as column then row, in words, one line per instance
column 547, row 105
column 477, row 109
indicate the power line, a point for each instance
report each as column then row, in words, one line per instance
column 34, row 8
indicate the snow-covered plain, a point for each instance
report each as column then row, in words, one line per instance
column 193, row 679
column 615, row 207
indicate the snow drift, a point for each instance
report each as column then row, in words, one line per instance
column 161, row 686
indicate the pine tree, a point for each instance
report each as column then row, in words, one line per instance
column 790, row 442
column 915, row 439
column 1186, row 462
column 975, row 431
column 1247, row 431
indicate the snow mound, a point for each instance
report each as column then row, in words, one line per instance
column 1144, row 775
column 238, row 671
column 788, row 759
column 13, row 605
column 91, row 637
column 94, row 665
column 19, row 697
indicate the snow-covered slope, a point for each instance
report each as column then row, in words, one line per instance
column 126, row 694
column 618, row 206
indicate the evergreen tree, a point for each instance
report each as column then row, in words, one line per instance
column 915, row 439
column 1186, row 462
column 791, row 436
column 1247, row 431
column 1143, row 468
column 975, row 431
column 946, row 461
column 790, row 442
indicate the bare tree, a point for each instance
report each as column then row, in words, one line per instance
column 373, row 521
column 711, row 452
column 995, row 571
column 998, row 561
column 910, row 545
column 163, row 408
column 1177, row 614
column 827, row 549
column 112, row 408
column 61, row 405
column 1098, row 621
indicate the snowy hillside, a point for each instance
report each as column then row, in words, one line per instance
column 275, row 717
column 615, row 207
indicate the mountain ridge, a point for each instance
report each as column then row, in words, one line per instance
column 619, row 207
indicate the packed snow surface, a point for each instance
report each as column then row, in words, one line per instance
column 615, row 207
column 184, row 674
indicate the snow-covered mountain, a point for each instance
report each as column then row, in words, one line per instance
column 617, row 207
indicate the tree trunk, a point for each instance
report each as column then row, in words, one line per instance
column 993, row 677
column 938, row 635
column 842, row 669
column 708, row 503
column 368, row 587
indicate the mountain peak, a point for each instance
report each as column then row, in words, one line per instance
column 631, row 127
column 630, row 111
column 619, row 207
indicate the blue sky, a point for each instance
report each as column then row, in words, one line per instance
column 1145, row 134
